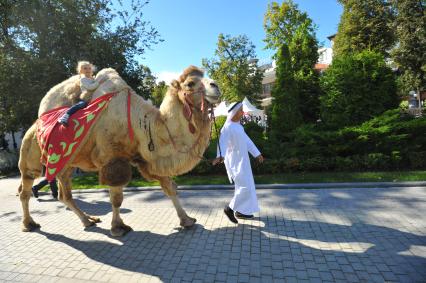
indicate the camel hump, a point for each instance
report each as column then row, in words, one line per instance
column 113, row 82
column 62, row 94
column 108, row 72
column 70, row 87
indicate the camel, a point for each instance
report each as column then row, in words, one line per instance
column 168, row 141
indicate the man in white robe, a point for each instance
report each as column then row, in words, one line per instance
column 233, row 149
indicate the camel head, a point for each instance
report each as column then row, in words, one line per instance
column 212, row 90
column 195, row 90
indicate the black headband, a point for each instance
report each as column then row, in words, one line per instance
column 233, row 106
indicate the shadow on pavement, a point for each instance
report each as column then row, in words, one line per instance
column 282, row 247
column 97, row 207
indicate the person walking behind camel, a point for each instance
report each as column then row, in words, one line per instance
column 44, row 182
column 235, row 145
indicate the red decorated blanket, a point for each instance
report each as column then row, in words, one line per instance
column 58, row 143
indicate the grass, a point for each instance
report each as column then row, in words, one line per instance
column 90, row 181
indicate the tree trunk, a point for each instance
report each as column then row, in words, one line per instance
column 15, row 146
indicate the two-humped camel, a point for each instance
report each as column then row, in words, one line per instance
column 168, row 141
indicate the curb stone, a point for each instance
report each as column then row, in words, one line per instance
column 268, row 186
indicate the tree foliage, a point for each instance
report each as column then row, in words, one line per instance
column 235, row 68
column 296, row 90
column 410, row 51
column 357, row 88
column 365, row 24
column 158, row 93
column 285, row 114
column 282, row 21
column 41, row 42
column 142, row 80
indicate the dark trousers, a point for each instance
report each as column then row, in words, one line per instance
column 79, row 105
column 53, row 186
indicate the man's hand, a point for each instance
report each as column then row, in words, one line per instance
column 260, row 158
column 217, row 160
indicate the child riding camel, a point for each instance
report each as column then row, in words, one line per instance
column 88, row 85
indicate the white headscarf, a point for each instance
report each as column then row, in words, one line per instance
column 232, row 111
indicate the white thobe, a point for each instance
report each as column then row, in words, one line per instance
column 235, row 146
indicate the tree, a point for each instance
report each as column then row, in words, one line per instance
column 235, row 69
column 303, row 50
column 357, row 88
column 158, row 93
column 281, row 22
column 41, row 42
column 296, row 91
column 142, row 80
column 410, row 51
column 365, row 24
column 285, row 114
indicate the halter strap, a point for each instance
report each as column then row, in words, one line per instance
column 129, row 116
column 188, row 107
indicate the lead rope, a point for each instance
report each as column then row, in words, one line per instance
column 217, row 135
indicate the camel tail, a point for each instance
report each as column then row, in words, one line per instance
column 29, row 157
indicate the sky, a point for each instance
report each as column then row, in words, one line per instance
column 190, row 29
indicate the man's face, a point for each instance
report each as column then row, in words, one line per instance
column 238, row 115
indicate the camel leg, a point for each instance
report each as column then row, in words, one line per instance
column 65, row 196
column 28, row 224
column 118, row 228
column 30, row 168
column 169, row 187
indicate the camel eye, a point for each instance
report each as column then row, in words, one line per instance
column 191, row 84
column 213, row 85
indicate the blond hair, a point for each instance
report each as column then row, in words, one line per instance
column 80, row 64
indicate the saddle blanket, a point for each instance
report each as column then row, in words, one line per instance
column 58, row 143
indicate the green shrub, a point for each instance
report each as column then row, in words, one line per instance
column 377, row 161
column 391, row 141
column 317, row 163
column 211, row 150
column 217, row 126
column 344, row 163
column 256, row 134
column 206, row 168
column 417, row 159
column 269, row 166
column 357, row 88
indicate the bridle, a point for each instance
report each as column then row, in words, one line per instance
column 188, row 110
column 189, row 107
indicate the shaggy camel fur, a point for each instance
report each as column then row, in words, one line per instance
column 168, row 141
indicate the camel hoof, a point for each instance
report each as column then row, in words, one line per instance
column 121, row 230
column 188, row 222
column 89, row 220
column 87, row 223
column 95, row 219
column 30, row 227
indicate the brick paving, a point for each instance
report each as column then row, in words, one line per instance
column 300, row 235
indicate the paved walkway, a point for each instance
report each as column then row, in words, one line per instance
column 301, row 235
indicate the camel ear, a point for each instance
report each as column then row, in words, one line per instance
column 175, row 84
column 191, row 71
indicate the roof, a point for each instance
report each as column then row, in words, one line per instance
column 320, row 67
column 330, row 37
